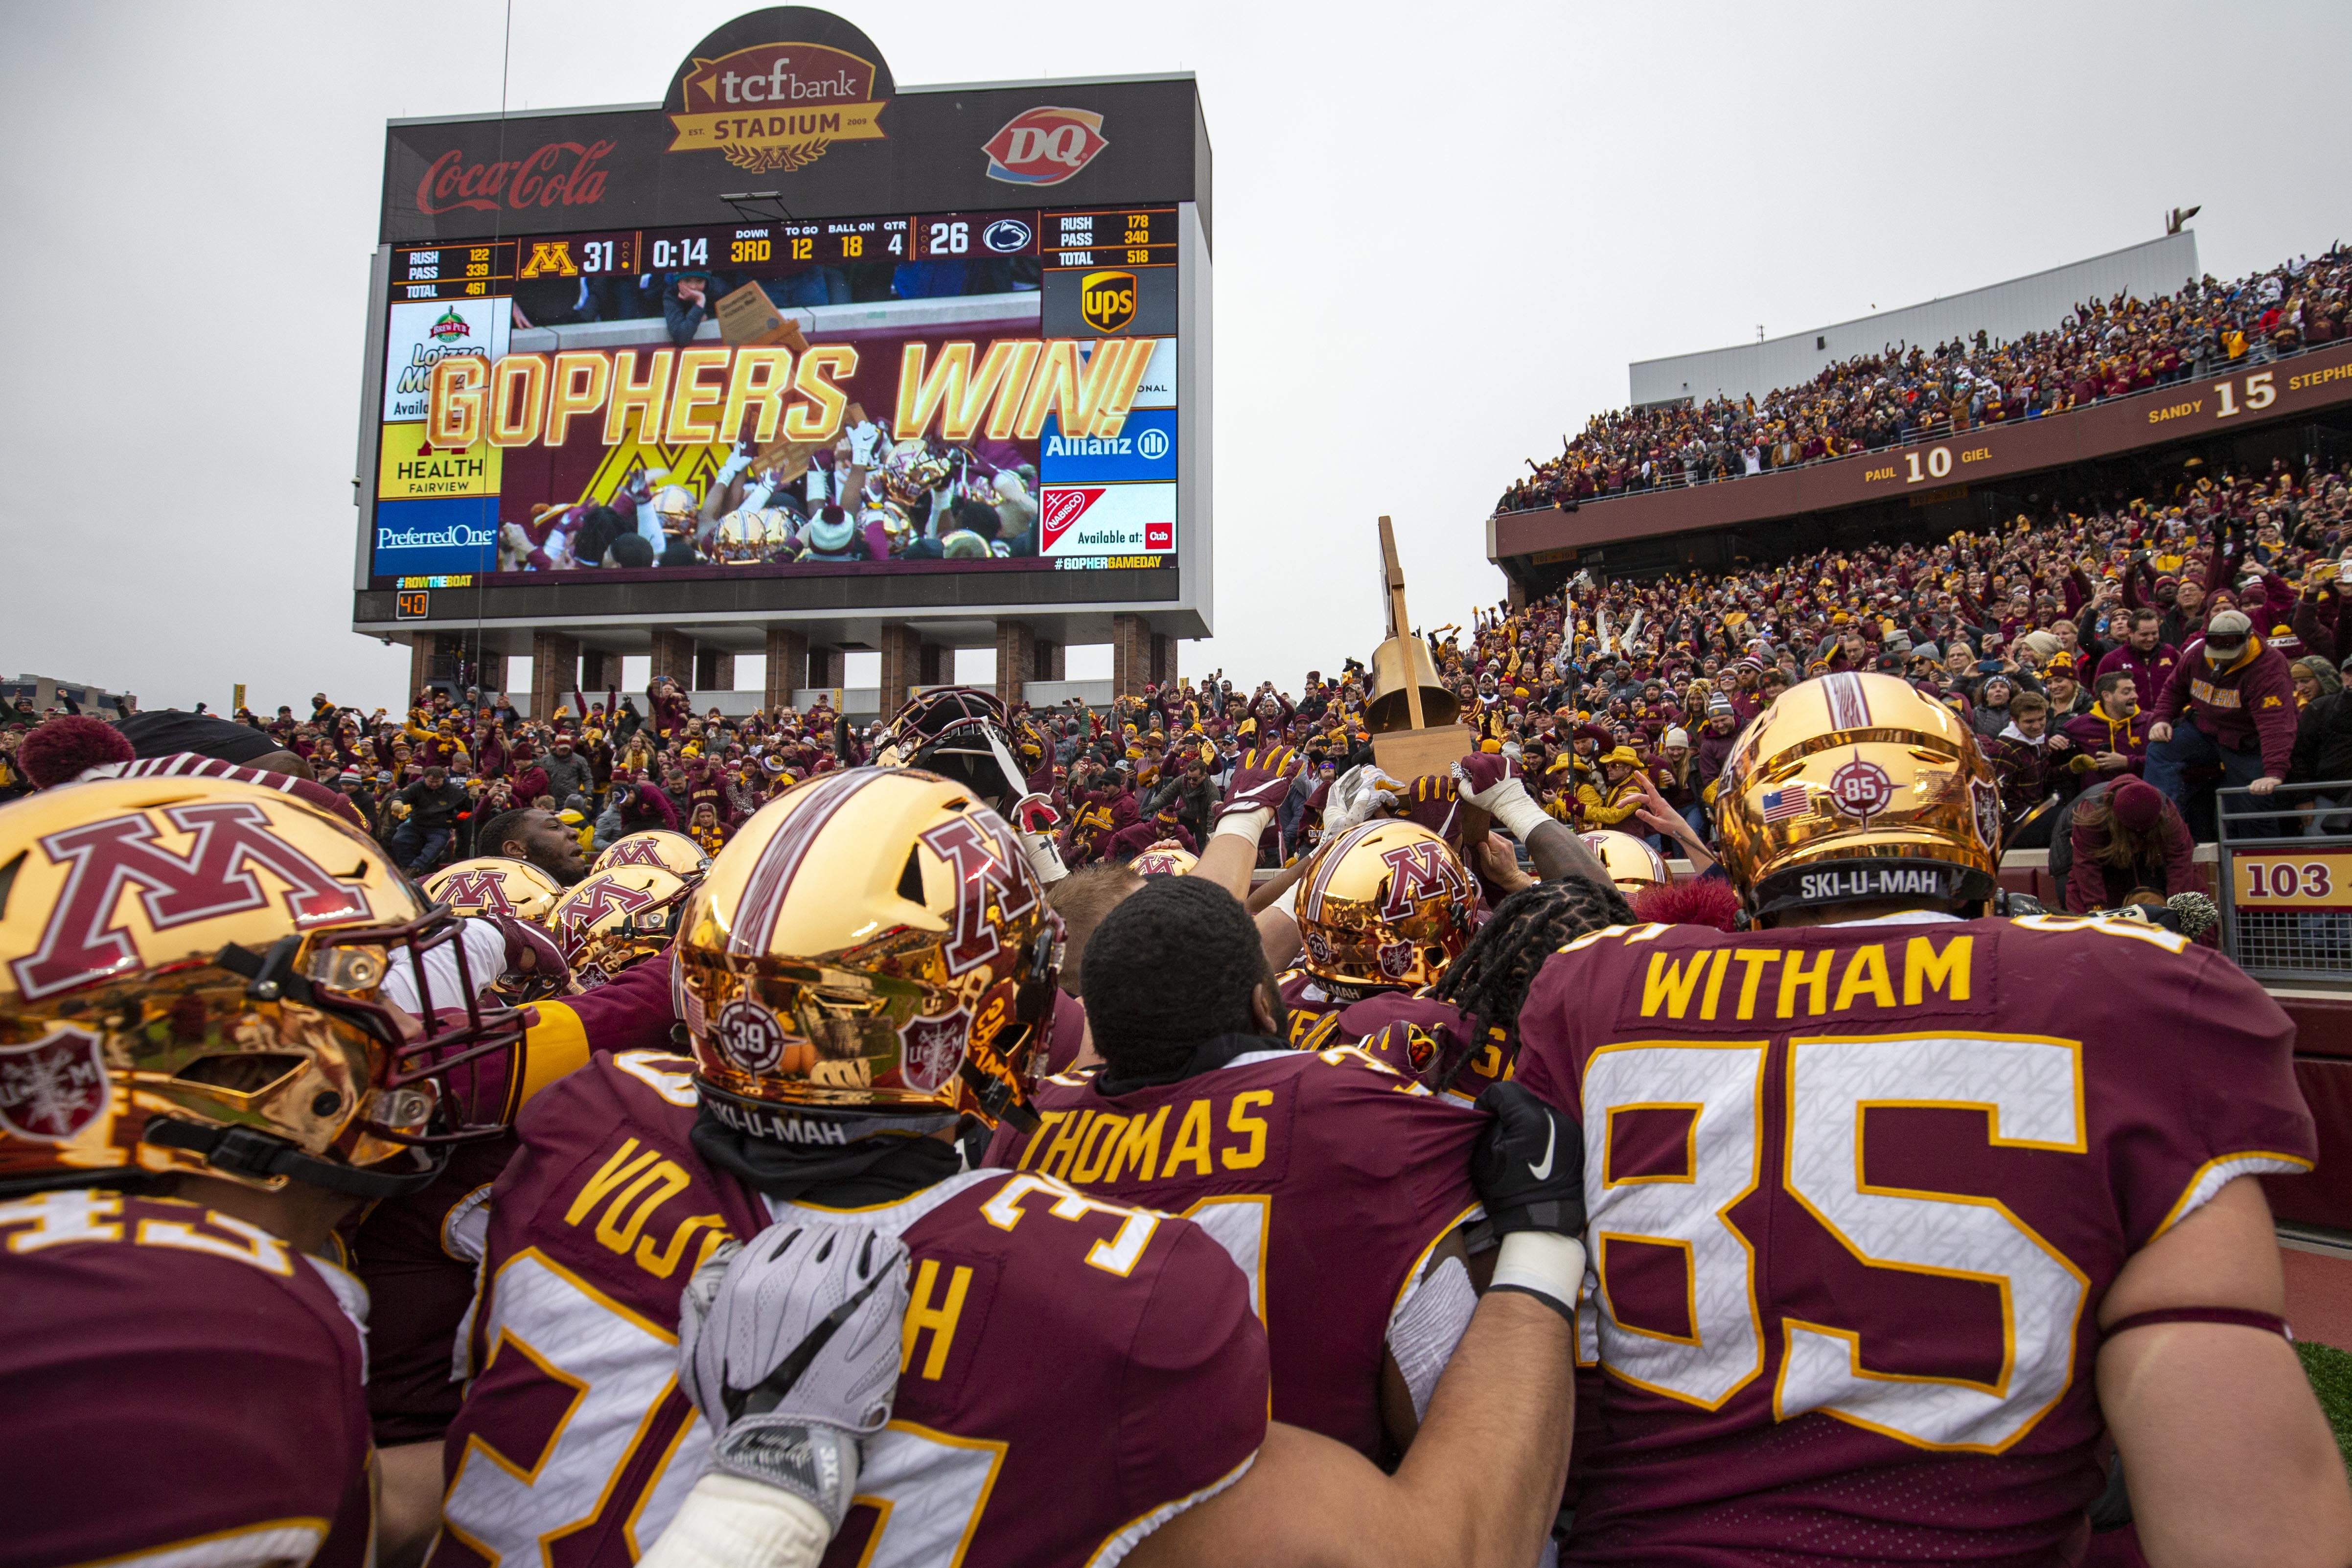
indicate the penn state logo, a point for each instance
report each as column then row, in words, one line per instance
column 932, row 1050
column 1860, row 789
column 749, row 1036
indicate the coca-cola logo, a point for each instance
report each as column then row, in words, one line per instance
column 559, row 174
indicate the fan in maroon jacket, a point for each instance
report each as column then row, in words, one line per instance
column 1856, row 1194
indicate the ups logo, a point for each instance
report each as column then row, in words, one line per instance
column 1106, row 300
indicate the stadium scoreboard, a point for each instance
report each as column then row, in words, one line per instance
column 652, row 362
column 1126, row 236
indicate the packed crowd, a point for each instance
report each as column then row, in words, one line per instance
column 2072, row 644
column 2105, row 349
column 1158, row 1137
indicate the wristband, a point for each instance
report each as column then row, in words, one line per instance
column 817, row 1464
column 1249, row 824
column 727, row 1522
column 733, row 466
column 1543, row 1264
column 1509, row 803
column 1044, row 860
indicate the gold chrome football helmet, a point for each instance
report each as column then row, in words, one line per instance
column 673, row 852
column 1164, row 863
column 1853, row 787
column 1630, row 863
column 191, row 975
column 1384, row 906
column 614, row 918
column 870, row 954
column 496, row 885
column 676, row 506
column 913, row 472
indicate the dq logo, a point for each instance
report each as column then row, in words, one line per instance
column 1045, row 146
column 1106, row 300
column 550, row 259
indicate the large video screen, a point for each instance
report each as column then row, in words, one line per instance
column 917, row 392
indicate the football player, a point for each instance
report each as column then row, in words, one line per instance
column 1201, row 1108
column 537, row 837
column 1898, row 1211
column 869, row 959
column 196, row 1084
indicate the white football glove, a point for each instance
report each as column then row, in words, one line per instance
column 789, row 1346
column 1358, row 796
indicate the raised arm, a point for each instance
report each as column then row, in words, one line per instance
column 2226, row 1453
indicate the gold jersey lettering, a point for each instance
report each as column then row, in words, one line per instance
column 1251, row 1127
column 1926, row 969
column 1753, row 959
column 1814, row 977
column 927, row 1309
column 1191, row 1141
column 1865, row 973
column 1671, row 984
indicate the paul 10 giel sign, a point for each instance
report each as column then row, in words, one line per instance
column 721, row 348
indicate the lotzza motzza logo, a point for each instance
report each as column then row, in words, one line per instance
column 1106, row 300
column 777, row 106
column 1063, row 507
column 1045, row 146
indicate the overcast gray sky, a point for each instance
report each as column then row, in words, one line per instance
column 1441, row 235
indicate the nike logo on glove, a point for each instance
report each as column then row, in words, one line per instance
column 1551, row 1138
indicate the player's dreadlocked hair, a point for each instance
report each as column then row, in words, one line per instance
column 1490, row 980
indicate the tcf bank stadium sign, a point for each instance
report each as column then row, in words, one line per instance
column 801, row 104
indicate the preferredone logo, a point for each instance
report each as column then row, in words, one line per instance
column 1106, row 300
column 457, row 536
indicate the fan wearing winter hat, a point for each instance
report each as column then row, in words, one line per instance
column 2127, row 836
column 2229, row 703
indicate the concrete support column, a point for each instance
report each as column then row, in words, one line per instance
column 420, row 666
column 1163, row 659
column 826, row 665
column 672, row 656
column 714, row 670
column 1519, row 595
column 1052, row 662
column 1131, row 654
column 934, row 664
column 1016, row 660
column 493, row 674
column 554, row 672
column 902, row 652
column 788, row 663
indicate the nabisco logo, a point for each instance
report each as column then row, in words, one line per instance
column 1063, row 507
column 1045, row 146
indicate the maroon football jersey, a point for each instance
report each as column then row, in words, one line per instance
column 1311, row 1001
column 1326, row 1175
column 1856, row 1193
column 417, row 1253
column 208, row 1367
column 1075, row 1373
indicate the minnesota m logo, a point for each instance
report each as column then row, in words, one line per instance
column 84, row 942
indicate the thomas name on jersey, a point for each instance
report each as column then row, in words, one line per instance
column 1211, row 1132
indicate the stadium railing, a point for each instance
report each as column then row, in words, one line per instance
column 2285, row 882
